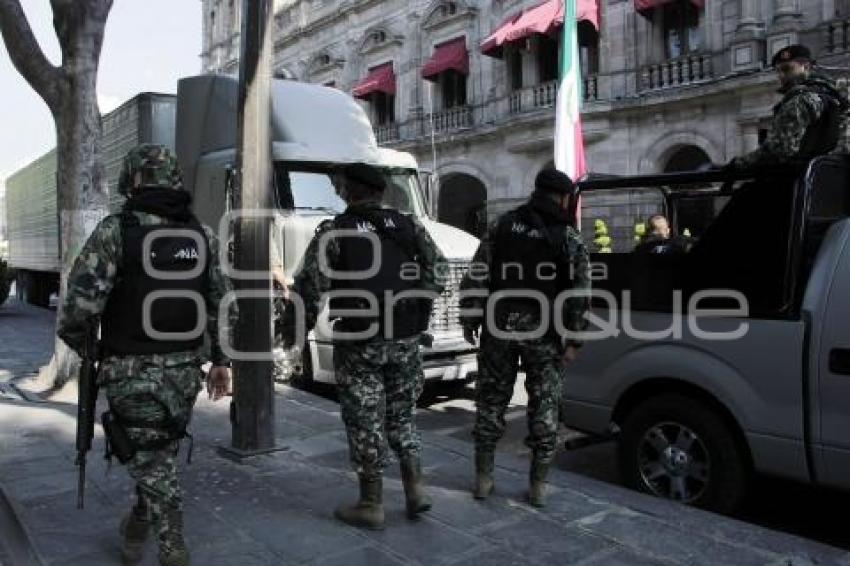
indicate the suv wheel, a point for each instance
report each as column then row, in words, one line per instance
column 679, row 448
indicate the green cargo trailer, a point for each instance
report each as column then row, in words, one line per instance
column 32, row 220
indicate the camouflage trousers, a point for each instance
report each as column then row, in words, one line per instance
column 378, row 385
column 497, row 371
column 154, row 389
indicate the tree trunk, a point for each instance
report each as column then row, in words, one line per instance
column 70, row 92
column 82, row 191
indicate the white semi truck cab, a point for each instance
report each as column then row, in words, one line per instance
column 315, row 130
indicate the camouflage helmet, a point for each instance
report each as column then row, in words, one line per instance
column 149, row 166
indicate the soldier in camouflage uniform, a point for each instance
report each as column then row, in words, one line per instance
column 810, row 120
column 151, row 385
column 532, row 249
column 379, row 377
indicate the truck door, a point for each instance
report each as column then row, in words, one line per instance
column 834, row 373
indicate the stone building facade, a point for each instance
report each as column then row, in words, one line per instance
column 668, row 84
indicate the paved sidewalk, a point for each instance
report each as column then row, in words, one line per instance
column 277, row 509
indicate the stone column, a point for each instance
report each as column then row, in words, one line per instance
column 787, row 13
column 747, row 50
column 749, row 22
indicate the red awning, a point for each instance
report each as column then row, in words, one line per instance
column 645, row 7
column 379, row 79
column 451, row 55
column 543, row 19
column 492, row 46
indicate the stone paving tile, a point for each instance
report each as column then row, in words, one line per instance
column 622, row 557
column 361, row 556
column 493, row 557
column 546, row 541
column 690, row 547
column 426, row 541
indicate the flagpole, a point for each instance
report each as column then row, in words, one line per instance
column 569, row 143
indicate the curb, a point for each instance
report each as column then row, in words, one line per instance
column 15, row 540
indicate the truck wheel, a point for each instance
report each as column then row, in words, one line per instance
column 679, row 448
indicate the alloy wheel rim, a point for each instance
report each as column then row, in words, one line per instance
column 674, row 462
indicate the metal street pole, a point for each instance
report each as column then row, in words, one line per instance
column 253, row 404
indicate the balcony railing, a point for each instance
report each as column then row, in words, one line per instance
column 449, row 120
column 676, row 72
column 387, row 133
column 545, row 95
column 837, row 38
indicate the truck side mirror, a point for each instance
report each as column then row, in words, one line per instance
column 430, row 189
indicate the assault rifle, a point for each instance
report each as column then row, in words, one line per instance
column 86, row 408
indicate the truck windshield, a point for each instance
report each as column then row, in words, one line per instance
column 310, row 191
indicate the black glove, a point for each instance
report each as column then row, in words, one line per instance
column 470, row 334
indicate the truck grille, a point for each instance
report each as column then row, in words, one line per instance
column 445, row 317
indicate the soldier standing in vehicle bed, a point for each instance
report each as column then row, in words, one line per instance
column 810, row 120
column 532, row 249
column 151, row 384
column 379, row 375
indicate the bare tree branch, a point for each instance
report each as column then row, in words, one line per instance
column 26, row 54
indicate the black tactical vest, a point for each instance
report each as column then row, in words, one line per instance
column 123, row 329
column 526, row 258
column 395, row 232
column 822, row 136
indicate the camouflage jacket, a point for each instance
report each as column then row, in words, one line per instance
column 312, row 284
column 800, row 108
column 574, row 253
column 94, row 274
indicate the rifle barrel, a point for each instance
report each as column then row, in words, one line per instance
column 81, row 485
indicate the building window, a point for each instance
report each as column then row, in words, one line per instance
column 453, row 87
column 549, row 53
column 449, row 9
column 383, row 108
column 548, row 50
column 588, row 45
column 515, row 69
column 682, row 34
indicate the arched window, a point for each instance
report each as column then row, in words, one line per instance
column 463, row 203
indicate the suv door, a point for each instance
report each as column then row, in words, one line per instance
column 833, row 380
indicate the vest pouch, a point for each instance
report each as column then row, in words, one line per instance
column 118, row 444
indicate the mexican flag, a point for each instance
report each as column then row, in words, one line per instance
column 569, row 142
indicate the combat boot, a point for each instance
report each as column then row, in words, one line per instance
column 415, row 498
column 368, row 512
column 135, row 528
column 484, row 464
column 537, row 483
column 172, row 547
